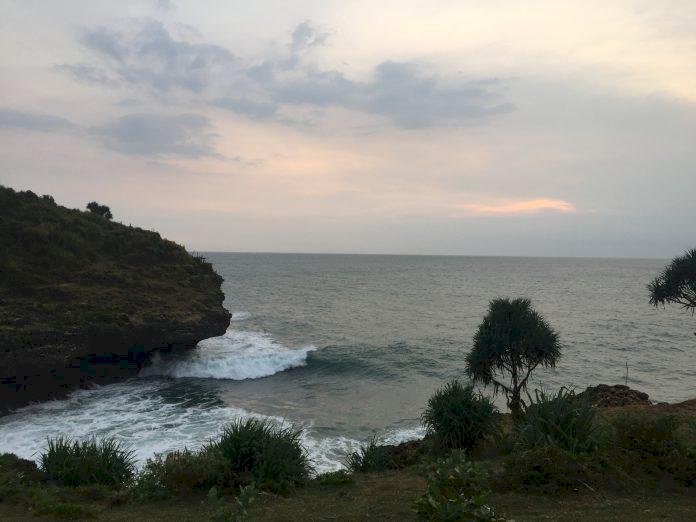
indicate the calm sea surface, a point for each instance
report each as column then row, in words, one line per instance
column 348, row 346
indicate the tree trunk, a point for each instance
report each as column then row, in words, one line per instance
column 515, row 404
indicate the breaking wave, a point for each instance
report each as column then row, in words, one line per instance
column 156, row 416
column 236, row 355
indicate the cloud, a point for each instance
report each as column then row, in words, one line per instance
column 305, row 36
column 11, row 118
column 88, row 74
column 150, row 56
column 403, row 92
column 407, row 93
column 411, row 97
column 248, row 107
column 185, row 135
column 165, row 5
column 528, row 206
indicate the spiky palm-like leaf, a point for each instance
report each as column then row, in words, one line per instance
column 511, row 341
column 677, row 283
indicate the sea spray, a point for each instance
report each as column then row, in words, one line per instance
column 236, row 355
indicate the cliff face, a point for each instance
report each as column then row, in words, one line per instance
column 84, row 299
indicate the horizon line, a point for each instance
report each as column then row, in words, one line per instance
column 375, row 254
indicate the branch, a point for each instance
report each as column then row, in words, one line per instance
column 523, row 382
column 498, row 383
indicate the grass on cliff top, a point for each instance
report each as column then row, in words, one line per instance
column 375, row 496
column 64, row 272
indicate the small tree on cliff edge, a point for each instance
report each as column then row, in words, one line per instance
column 510, row 343
column 100, row 210
column 677, row 283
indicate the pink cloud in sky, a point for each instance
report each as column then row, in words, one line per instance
column 527, row 206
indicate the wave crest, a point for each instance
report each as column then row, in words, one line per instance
column 236, row 355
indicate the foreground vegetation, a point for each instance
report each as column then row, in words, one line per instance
column 564, row 459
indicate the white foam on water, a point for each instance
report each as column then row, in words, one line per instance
column 137, row 414
column 327, row 453
column 236, row 355
column 399, row 435
column 240, row 316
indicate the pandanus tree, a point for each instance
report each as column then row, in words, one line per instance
column 511, row 341
column 677, row 283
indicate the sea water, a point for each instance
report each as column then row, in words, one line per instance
column 347, row 346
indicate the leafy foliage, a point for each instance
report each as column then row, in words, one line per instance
column 562, row 420
column 677, row 282
column 247, row 451
column 178, row 473
column 459, row 417
column 261, row 452
column 99, row 210
column 76, row 463
column 371, row 456
column 552, row 470
column 650, row 445
column 457, row 490
column 239, row 512
column 512, row 340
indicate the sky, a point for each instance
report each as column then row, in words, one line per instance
column 539, row 128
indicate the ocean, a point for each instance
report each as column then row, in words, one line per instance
column 350, row 346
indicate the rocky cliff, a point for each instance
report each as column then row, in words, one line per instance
column 86, row 300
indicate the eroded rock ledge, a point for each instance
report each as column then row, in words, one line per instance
column 605, row 395
column 86, row 300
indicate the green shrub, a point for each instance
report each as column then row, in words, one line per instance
column 258, row 451
column 237, row 512
column 650, row 445
column 247, row 451
column 562, row 420
column 552, row 470
column 459, row 418
column 179, row 473
column 76, row 463
column 370, row 457
column 18, row 477
column 457, row 489
column 647, row 435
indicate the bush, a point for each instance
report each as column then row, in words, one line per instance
column 76, row 463
column 370, row 457
column 178, row 473
column 18, row 477
column 237, row 512
column 647, row 435
column 259, row 451
column 99, row 210
column 552, row 470
column 457, row 490
column 562, row 420
column 649, row 444
column 459, row 418
column 247, row 451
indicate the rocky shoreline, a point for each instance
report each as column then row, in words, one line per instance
column 85, row 300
